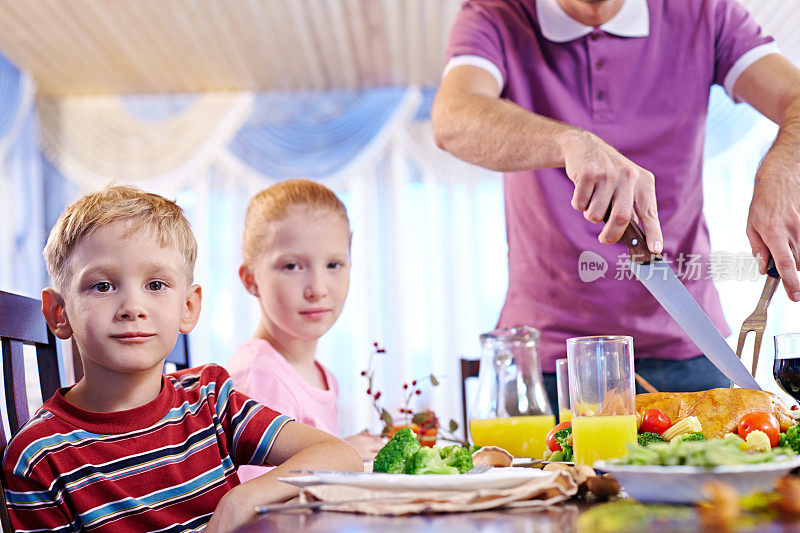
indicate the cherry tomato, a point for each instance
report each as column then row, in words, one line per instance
column 552, row 443
column 427, row 437
column 654, row 421
column 762, row 421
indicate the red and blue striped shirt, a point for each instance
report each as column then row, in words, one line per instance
column 160, row 467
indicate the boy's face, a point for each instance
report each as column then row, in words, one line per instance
column 125, row 300
column 303, row 277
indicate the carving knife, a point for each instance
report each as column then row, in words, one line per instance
column 664, row 285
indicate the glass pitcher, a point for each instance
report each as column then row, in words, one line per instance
column 511, row 408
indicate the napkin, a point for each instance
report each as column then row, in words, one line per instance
column 541, row 491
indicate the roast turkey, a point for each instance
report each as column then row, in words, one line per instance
column 718, row 410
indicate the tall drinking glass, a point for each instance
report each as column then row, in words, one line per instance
column 602, row 392
column 562, row 387
column 786, row 368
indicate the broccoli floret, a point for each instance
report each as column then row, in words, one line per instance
column 405, row 434
column 647, row 438
column 563, row 435
column 566, row 453
column 694, row 435
column 791, row 438
column 392, row 458
column 428, row 461
column 459, row 457
column 444, row 451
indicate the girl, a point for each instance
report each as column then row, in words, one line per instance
column 297, row 263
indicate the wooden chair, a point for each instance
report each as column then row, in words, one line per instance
column 469, row 369
column 179, row 356
column 22, row 322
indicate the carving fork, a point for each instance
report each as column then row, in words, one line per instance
column 757, row 320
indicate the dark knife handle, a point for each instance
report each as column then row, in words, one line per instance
column 772, row 270
column 636, row 242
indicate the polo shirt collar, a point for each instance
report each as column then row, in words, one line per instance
column 632, row 20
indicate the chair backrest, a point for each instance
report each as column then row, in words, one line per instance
column 469, row 369
column 179, row 356
column 22, row 322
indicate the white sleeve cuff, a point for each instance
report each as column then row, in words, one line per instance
column 476, row 61
column 747, row 59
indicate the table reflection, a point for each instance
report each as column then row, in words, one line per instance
column 557, row 519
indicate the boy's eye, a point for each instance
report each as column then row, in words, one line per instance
column 155, row 285
column 290, row 266
column 102, row 286
column 334, row 264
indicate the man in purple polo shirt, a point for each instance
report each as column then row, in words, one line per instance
column 601, row 104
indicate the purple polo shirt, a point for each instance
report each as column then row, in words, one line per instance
column 641, row 82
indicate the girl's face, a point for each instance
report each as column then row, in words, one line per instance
column 303, row 275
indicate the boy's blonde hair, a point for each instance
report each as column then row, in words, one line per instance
column 273, row 203
column 112, row 204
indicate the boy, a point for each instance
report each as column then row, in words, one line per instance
column 127, row 448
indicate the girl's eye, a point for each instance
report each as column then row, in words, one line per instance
column 155, row 285
column 102, row 286
column 334, row 264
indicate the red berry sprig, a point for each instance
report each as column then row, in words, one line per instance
column 410, row 391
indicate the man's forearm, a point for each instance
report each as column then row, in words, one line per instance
column 783, row 154
column 772, row 86
column 789, row 133
column 497, row 134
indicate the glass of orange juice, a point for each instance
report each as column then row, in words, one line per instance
column 562, row 388
column 511, row 408
column 602, row 393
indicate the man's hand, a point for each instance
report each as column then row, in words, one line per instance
column 773, row 224
column 772, row 86
column 605, row 178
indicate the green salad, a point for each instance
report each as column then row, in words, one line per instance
column 705, row 453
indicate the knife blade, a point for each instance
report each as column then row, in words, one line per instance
column 667, row 289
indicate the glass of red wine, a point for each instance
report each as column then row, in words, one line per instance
column 786, row 367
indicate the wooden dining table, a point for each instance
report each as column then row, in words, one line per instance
column 561, row 518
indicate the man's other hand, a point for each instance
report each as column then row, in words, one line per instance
column 773, row 224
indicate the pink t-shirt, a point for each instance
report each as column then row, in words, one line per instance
column 259, row 371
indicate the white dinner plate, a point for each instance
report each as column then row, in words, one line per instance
column 496, row 478
column 301, row 481
column 683, row 484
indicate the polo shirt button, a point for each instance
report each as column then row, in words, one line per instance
column 600, row 64
column 594, row 36
column 601, row 95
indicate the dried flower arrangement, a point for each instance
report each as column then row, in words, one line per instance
column 424, row 422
